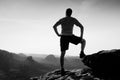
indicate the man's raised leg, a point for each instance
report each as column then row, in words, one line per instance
column 83, row 43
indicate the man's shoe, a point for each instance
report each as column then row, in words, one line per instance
column 82, row 54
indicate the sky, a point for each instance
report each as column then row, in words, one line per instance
column 26, row 26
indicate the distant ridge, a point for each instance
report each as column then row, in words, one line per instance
column 19, row 66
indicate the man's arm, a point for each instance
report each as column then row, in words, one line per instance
column 81, row 27
column 82, row 30
column 55, row 28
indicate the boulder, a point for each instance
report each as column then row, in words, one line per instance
column 104, row 64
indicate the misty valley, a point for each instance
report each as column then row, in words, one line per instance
column 22, row 67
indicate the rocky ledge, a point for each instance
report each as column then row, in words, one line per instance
column 78, row 74
column 103, row 65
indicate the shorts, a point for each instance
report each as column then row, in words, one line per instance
column 65, row 40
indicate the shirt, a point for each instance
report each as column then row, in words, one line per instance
column 67, row 24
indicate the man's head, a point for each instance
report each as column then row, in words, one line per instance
column 68, row 12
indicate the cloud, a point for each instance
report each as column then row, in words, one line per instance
column 107, row 3
column 114, row 2
column 77, row 1
column 98, row 3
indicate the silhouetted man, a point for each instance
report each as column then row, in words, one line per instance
column 67, row 23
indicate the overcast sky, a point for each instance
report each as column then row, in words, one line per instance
column 26, row 25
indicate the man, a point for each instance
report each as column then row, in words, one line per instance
column 67, row 23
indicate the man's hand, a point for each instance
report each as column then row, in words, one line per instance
column 59, row 35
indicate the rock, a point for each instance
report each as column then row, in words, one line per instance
column 78, row 74
column 104, row 64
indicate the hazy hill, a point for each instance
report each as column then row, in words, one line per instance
column 38, row 57
column 22, row 55
column 19, row 66
column 70, row 62
column 54, row 61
